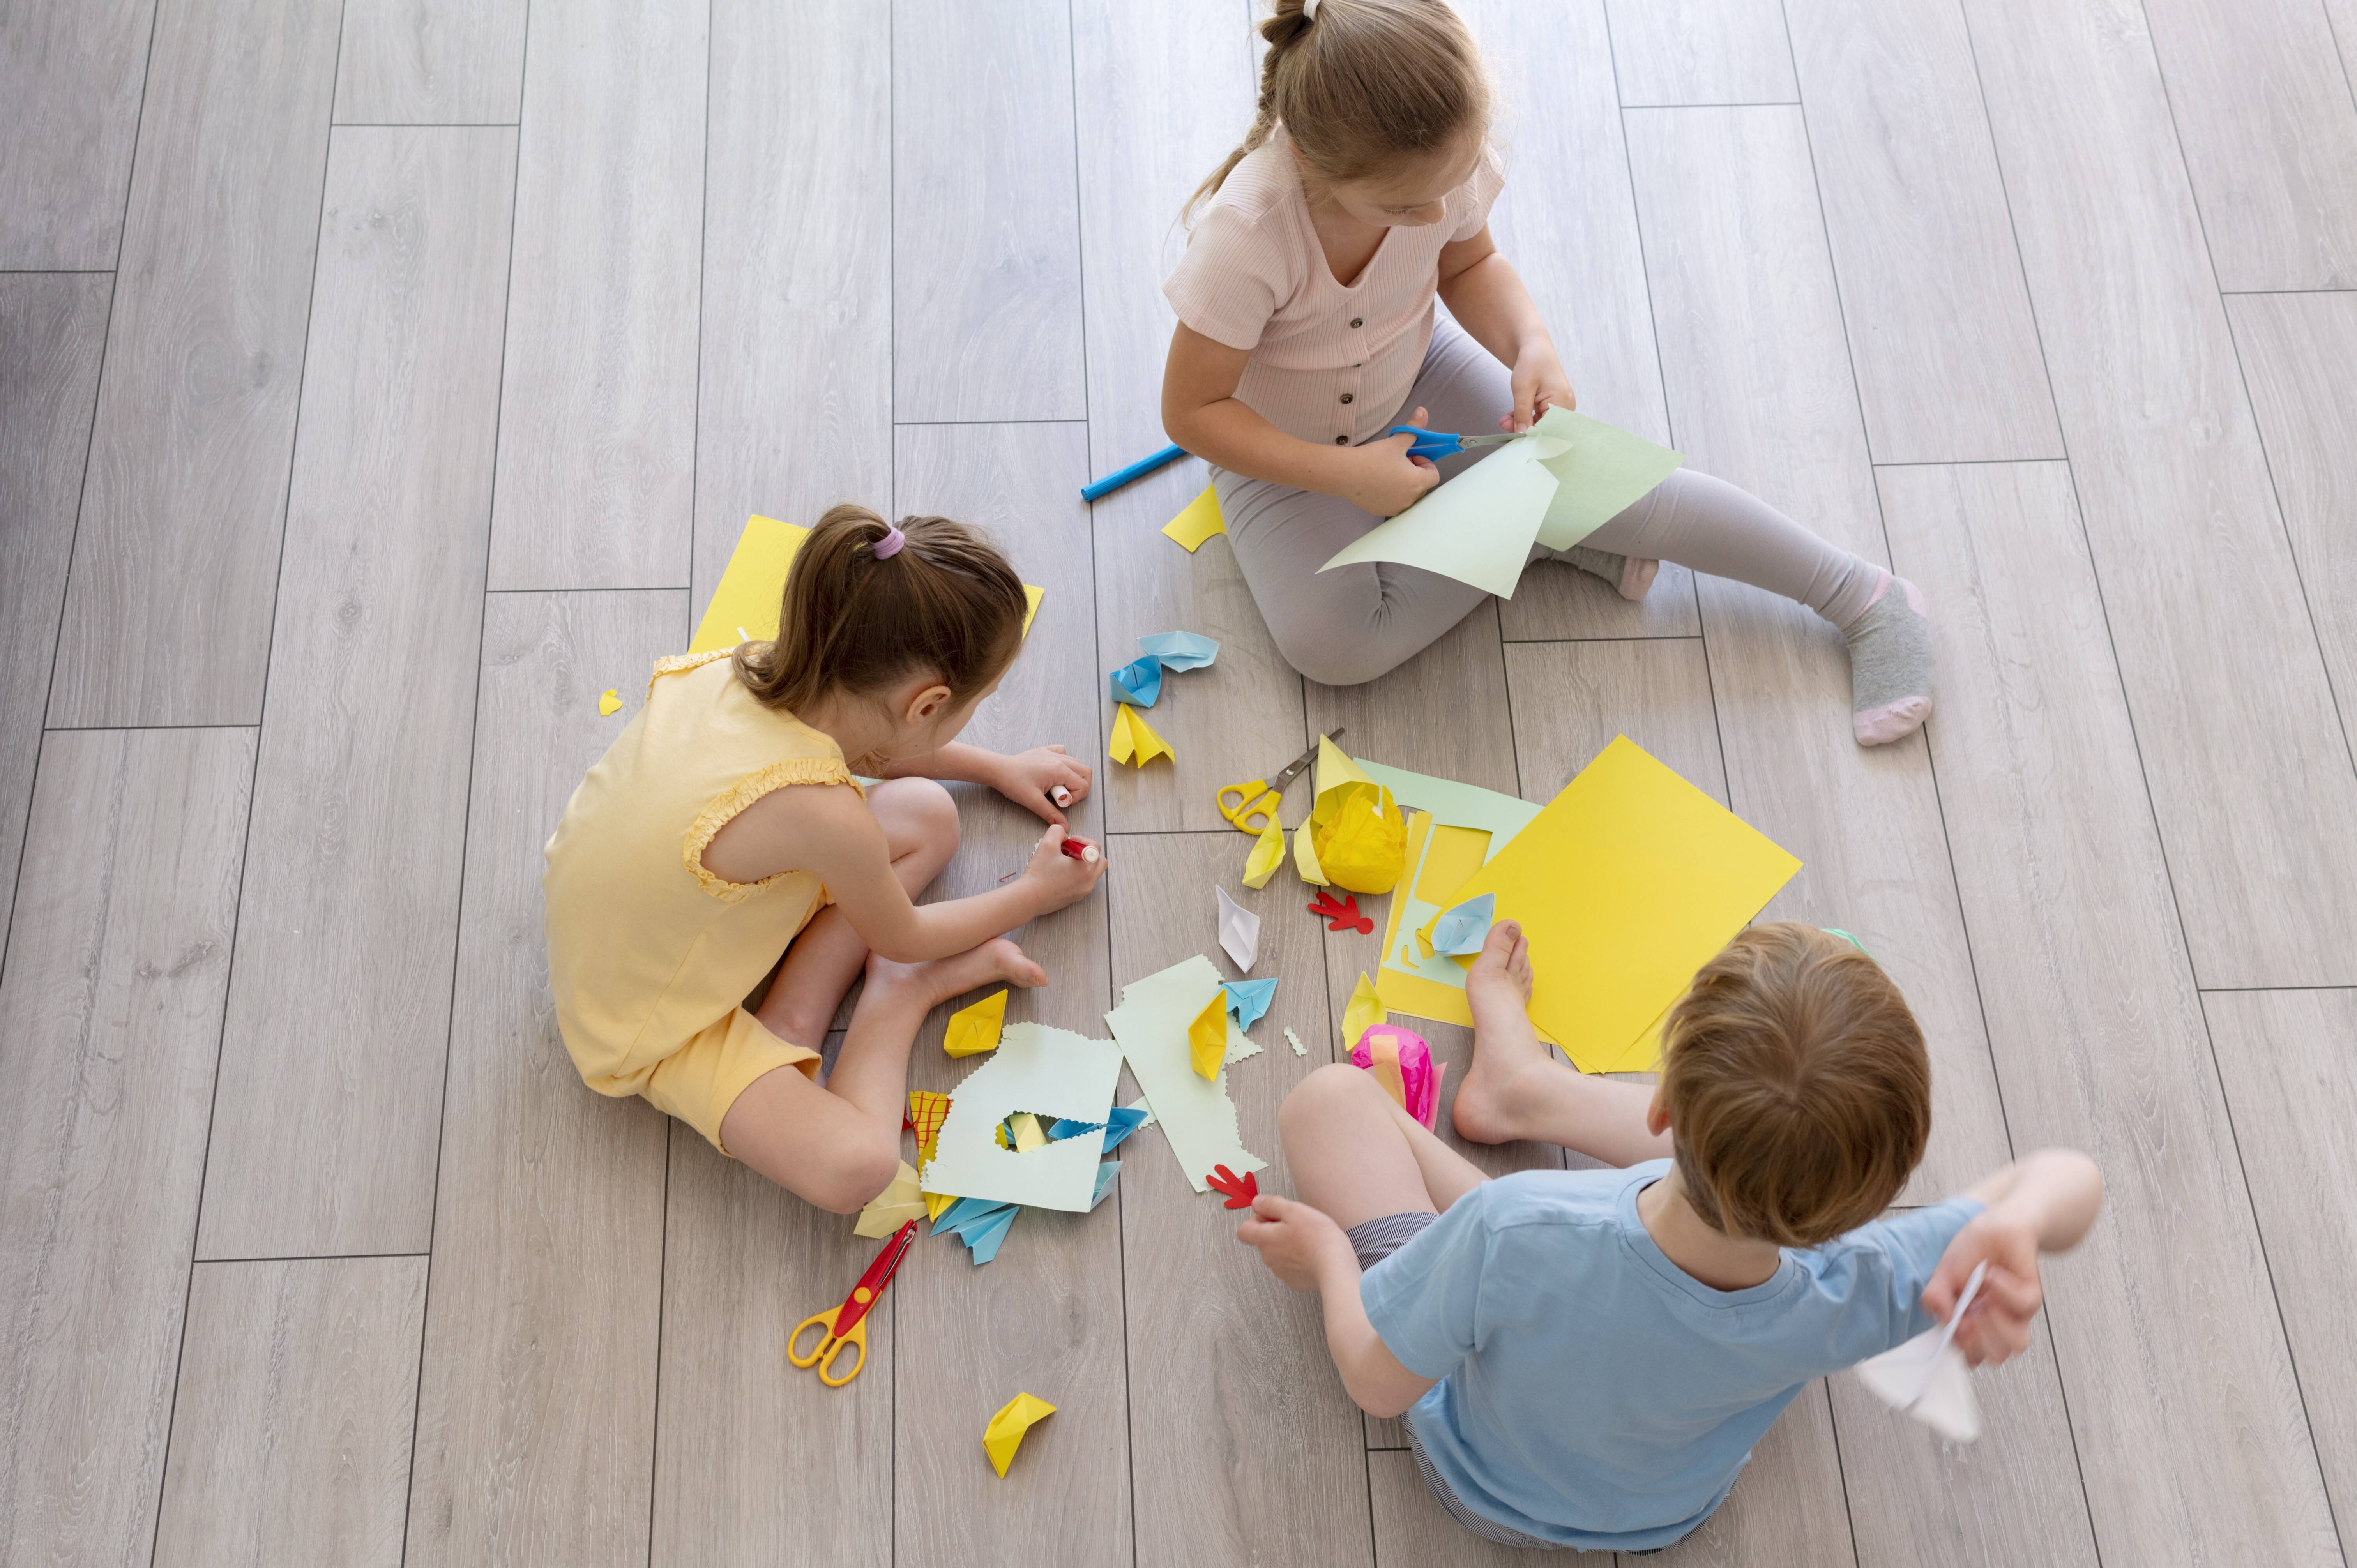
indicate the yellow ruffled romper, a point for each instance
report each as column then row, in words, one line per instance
column 652, row 956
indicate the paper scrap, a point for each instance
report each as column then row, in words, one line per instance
column 1928, row 1377
column 1105, row 1172
column 1463, row 928
column 1139, row 681
column 1342, row 914
column 1248, row 999
column 1240, row 1190
column 937, row 1201
column 975, row 1029
column 609, row 701
column 1402, row 1062
column 1035, row 1069
column 1238, row 931
column 746, row 601
column 1180, row 649
column 1268, row 854
column 1196, row 1115
column 1199, row 522
column 899, row 1203
column 1133, row 740
column 1554, row 485
column 1207, row 1036
column 926, row 1112
column 1625, row 884
column 1005, row 1434
column 1304, row 858
column 1295, row 1041
column 981, row 1226
column 1365, row 1010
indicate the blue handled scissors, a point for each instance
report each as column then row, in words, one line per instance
column 1439, row 444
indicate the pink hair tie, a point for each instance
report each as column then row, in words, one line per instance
column 889, row 545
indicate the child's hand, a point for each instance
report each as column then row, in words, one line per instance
column 1539, row 385
column 1997, row 1325
column 1298, row 1242
column 1031, row 779
column 1057, row 879
column 1384, row 480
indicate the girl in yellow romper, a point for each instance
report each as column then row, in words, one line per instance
column 723, row 828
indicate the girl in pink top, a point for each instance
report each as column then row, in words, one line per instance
column 1306, row 331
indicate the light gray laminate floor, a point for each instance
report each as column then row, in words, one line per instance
column 382, row 380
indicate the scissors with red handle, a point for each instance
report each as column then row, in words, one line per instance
column 850, row 1325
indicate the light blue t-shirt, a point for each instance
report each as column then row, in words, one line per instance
column 1592, row 1392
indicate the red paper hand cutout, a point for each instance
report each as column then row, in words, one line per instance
column 1241, row 1189
column 1343, row 916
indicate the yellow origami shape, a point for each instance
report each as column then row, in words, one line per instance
column 937, row 1201
column 1366, row 1010
column 1005, row 1434
column 1305, row 858
column 1133, row 740
column 1207, row 1036
column 893, row 1208
column 975, row 1029
column 609, row 701
column 1268, row 853
column 1199, row 522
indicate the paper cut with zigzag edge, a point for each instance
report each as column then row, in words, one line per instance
column 1035, row 1069
column 1196, row 1117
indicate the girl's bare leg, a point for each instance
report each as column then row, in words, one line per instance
column 1352, row 1152
column 920, row 828
column 1516, row 1089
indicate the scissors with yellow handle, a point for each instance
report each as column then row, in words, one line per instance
column 1257, row 802
column 850, row 1325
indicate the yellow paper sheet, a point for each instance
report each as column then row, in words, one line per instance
column 1199, row 522
column 1268, row 854
column 1364, row 1012
column 975, row 1029
column 1133, row 740
column 745, row 600
column 1625, row 884
column 1005, row 1434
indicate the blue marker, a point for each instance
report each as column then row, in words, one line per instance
column 1137, row 470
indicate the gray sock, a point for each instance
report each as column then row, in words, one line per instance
column 1889, row 664
column 1613, row 569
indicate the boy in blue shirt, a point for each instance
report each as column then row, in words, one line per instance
column 1586, row 1357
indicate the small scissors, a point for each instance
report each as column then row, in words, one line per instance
column 850, row 1325
column 1438, row 443
column 1262, row 797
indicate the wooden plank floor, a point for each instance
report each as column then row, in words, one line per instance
column 382, row 380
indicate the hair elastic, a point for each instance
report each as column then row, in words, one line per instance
column 889, row 545
column 1308, row 10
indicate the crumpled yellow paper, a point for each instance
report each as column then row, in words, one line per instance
column 1358, row 833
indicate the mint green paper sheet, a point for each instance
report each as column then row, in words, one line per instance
column 1557, row 483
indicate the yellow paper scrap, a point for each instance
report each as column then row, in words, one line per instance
column 1304, row 858
column 1005, row 1434
column 893, row 1208
column 1625, row 884
column 1268, row 854
column 1365, row 1011
column 1199, row 522
column 1207, row 1036
column 975, row 1029
column 927, row 1110
column 1359, row 836
column 609, row 701
column 746, row 601
column 1028, row 1133
column 935, row 1202
column 1335, row 767
column 1133, row 740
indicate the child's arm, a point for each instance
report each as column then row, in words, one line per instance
column 1200, row 411
column 1303, row 1247
column 1486, row 294
column 1028, row 779
column 2042, row 1204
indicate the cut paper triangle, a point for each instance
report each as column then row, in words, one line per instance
column 1238, row 931
column 975, row 1029
column 982, row 1240
column 1268, row 854
column 1364, row 1012
column 1133, row 740
column 1304, row 858
column 1005, row 1434
column 1207, row 1036
column 1335, row 767
column 1180, row 649
column 1199, row 522
column 1248, row 999
column 1105, row 1172
column 609, row 701
column 927, row 1110
column 937, row 1201
column 899, row 1203
column 1139, row 681
column 746, row 601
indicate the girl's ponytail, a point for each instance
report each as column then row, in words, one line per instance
column 1360, row 83
column 856, row 621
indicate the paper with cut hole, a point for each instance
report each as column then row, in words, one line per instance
column 894, row 1207
column 1194, row 1113
column 1554, row 485
column 1459, row 826
column 975, row 1029
column 1268, row 854
column 1625, row 884
column 1035, row 1069
column 1238, row 931
column 746, row 601
column 1133, row 740
column 1199, row 522
column 1248, row 999
column 1005, row 1434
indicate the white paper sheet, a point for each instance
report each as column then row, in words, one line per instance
column 1035, row 1069
column 1194, row 1112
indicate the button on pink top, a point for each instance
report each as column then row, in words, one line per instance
column 1329, row 365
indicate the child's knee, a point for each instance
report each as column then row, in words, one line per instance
column 1332, row 658
column 1335, row 1090
column 922, row 816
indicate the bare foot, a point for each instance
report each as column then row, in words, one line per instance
column 1506, row 1049
column 929, row 984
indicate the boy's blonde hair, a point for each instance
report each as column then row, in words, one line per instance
column 1363, row 85
column 1797, row 1087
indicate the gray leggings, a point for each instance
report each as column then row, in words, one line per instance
column 1354, row 623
